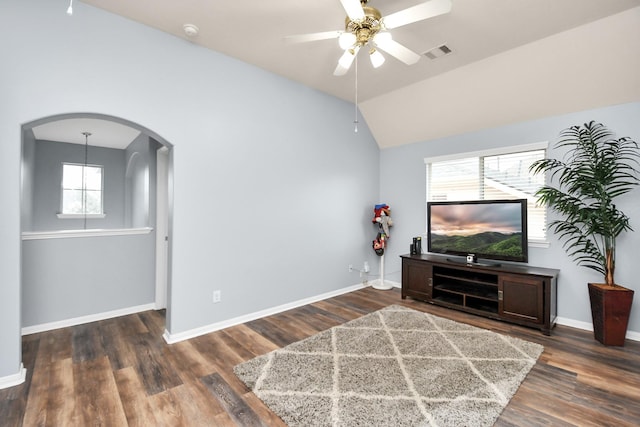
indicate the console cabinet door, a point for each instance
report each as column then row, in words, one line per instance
column 417, row 279
column 521, row 297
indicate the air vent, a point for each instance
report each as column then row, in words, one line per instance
column 437, row 52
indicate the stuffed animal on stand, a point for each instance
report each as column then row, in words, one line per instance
column 382, row 217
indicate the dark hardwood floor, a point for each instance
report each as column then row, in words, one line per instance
column 120, row 372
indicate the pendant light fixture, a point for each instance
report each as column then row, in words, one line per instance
column 70, row 8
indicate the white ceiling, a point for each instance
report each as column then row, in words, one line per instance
column 104, row 133
column 254, row 32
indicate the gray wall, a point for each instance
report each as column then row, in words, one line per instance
column 27, row 173
column 140, row 181
column 73, row 277
column 403, row 187
column 272, row 188
column 47, row 178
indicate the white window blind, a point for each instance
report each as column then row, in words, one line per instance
column 491, row 176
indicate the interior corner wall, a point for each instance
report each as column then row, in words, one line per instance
column 272, row 189
column 403, row 187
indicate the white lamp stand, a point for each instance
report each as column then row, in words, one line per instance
column 381, row 284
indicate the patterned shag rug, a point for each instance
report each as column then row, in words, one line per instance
column 393, row 367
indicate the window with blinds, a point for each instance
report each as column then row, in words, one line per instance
column 491, row 176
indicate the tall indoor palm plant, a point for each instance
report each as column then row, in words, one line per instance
column 596, row 169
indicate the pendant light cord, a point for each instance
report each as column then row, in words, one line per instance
column 84, row 174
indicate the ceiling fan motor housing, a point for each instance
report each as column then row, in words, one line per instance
column 365, row 29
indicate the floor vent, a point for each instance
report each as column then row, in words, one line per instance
column 438, row 52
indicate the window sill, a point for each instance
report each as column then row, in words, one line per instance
column 81, row 216
column 65, row 234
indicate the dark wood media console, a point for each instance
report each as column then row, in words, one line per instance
column 518, row 294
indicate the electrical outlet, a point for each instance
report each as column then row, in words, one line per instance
column 217, row 297
column 366, row 267
column 350, row 268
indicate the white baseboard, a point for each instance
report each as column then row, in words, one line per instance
column 586, row 326
column 15, row 379
column 192, row 333
column 27, row 330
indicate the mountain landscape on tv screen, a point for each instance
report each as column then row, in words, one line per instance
column 488, row 243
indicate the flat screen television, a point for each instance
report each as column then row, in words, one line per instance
column 487, row 229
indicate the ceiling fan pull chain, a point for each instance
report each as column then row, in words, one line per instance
column 356, row 99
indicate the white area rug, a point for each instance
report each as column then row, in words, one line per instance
column 393, row 367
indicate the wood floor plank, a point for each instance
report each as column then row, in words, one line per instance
column 121, row 371
column 117, row 345
column 166, row 410
column 156, row 373
column 234, row 405
column 268, row 331
column 97, row 398
column 59, row 344
column 192, row 363
column 61, row 407
column 252, row 341
column 198, row 406
column 36, row 408
column 135, row 404
column 86, row 342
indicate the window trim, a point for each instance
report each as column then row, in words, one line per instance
column 80, row 216
column 543, row 145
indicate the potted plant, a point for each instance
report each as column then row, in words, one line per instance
column 595, row 170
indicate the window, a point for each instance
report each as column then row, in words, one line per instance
column 81, row 189
column 496, row 174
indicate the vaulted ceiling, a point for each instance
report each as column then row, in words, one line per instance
column 497, row 45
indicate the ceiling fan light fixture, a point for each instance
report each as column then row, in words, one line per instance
column 376, row 58
column 348, row 56
column 346, row 40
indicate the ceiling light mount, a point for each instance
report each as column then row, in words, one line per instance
column 191, row 30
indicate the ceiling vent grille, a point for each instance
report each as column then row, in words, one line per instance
column 438, row 52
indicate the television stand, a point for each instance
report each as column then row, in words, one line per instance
column 519, row 294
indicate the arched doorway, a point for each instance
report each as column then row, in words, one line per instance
column 83, row 268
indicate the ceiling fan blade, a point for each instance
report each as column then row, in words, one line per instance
column 340, row 70
column 311, row 37
column 397, row 50
column 417, row 13
column 353, row 8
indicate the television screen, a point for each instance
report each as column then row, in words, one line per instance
column 491, row 229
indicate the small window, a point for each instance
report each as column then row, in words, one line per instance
column 81, row 189
column 496, row 174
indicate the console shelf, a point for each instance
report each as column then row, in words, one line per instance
column 519, row 294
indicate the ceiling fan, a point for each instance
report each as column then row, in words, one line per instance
column 366, row 27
